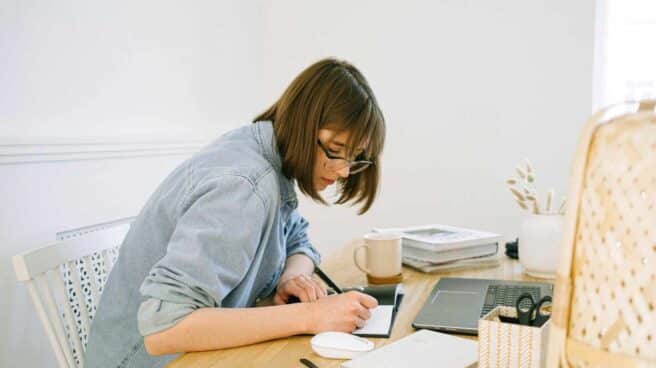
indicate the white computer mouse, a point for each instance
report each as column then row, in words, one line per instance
column 340, row 345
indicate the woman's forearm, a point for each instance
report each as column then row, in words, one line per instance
column 219, row 328
column 297, row 264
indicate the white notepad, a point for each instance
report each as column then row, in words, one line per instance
column 423, row 348
column 379, row 323
column 389, row 299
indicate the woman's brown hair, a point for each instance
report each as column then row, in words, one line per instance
column 330, row 94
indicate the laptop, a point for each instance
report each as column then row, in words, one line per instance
column 456, row 304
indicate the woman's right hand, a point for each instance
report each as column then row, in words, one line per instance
column 340, row 312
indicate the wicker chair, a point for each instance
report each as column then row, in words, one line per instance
column 605, row 298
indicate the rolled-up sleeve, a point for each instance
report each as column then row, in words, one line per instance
column 297, row 238
column 209, row 252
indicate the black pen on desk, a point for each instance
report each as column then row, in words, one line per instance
column 308, row 363
column 327, row 280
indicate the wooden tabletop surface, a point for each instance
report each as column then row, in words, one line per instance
column 339, row 265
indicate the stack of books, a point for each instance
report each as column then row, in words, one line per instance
column 443, row 248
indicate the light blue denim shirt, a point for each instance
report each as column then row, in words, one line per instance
column 216, row 233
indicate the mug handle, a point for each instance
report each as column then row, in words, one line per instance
column 356, row 251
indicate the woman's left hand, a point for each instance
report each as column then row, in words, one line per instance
column 305, row 288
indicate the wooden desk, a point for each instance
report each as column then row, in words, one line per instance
column 339, row 265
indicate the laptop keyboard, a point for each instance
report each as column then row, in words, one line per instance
column 507, row 295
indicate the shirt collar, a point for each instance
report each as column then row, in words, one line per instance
column 267, row 141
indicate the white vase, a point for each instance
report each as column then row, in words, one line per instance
column 539, row 244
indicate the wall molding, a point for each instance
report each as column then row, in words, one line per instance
column 25, row 151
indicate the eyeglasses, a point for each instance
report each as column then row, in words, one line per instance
column 337, row 163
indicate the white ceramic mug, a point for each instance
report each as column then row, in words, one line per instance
column 383, row 255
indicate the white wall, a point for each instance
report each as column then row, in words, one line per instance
column 127, row 67
column 98, row 102
column 469, row 89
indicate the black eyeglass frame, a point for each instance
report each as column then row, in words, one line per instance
column 347, row 163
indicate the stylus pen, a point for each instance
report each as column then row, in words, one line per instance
column 327, row 280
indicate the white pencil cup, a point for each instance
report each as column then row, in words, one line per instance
column 510, row 345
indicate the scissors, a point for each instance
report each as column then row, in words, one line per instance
column 532, row 316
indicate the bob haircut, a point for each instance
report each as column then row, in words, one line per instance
column 330, row 94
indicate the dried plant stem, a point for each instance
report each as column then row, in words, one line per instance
column 549, row 199
column 522, row 205
column 523, row 189
column 517, row 194
column 530, row 173
column 529, row 168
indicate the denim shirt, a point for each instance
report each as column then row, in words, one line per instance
column 216, row 233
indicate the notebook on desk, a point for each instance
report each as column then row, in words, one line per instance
column 382, row 317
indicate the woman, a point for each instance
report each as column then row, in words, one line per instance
column 222, row 231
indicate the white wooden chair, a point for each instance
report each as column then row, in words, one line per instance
column 65, row 280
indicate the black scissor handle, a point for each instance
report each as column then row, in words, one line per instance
column 540, row 318
column 525, row 316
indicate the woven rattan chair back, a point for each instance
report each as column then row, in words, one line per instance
column 605, row 299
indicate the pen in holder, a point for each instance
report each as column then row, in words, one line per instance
column 514, row 336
